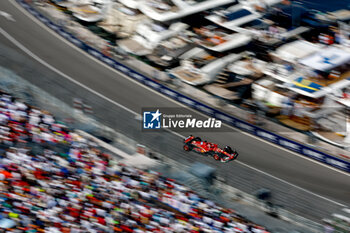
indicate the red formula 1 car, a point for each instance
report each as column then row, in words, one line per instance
column 207, row 148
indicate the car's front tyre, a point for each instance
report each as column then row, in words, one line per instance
column 187, row 148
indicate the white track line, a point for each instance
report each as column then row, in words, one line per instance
column 157, row 93
column 293, row 185
column 23, row 48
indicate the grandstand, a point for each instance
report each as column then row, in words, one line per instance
column 54, row 180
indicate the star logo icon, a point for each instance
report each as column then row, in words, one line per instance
column 156, row 115
column 151, row 119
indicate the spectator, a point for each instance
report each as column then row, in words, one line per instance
column 83, row 189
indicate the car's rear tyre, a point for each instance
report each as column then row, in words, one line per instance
column 187, row 148
column 235, row 157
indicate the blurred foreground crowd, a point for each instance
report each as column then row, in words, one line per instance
column 53, row 180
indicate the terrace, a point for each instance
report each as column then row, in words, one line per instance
column 190, row 69
column 220, row 40
column 86, row 10
column 270, row 33
column 122, row 20
column 233, row 16
column 89, row 11
column 149, row 35
column 285, row 66
column 328, row 68
column 167, row 52
column 310, row 87
column 210, row 36
column 272, row 94
column 234, row 81
column 162, row 6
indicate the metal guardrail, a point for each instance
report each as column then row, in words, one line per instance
column 230, row 120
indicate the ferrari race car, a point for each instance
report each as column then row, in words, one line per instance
column 207, row 148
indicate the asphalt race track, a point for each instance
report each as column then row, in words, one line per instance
column 327, row 189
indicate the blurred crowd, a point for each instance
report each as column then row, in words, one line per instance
column 53, row 180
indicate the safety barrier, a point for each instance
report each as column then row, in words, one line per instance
column 230, row 120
